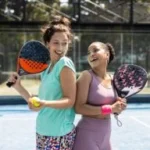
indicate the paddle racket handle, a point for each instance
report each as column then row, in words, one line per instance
column 9, row 84
column 116, row 114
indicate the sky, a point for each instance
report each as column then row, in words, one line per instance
column 63, row 1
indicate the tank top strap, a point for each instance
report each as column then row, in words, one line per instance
column 92, row 73
column 92, row 76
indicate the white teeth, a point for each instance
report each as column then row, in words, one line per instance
column 59, row 52
column 93, row 59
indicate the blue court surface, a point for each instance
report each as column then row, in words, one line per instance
column 17, row 128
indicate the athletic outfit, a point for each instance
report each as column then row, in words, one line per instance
column 54, row 127
column 93, row 133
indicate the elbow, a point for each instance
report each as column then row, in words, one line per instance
column 77, row 109
column 71, row 103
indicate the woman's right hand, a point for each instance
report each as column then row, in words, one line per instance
column 15, row 78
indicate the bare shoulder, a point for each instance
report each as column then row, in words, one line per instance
column 85, row 76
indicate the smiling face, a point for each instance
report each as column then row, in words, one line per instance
column 98, row 55
column 58, row 45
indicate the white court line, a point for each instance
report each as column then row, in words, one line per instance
column 138, row 116
column 127, row 116
column 76, row 118
column 141, row 122
column 17, row 119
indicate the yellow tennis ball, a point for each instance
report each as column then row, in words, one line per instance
column 35, row 101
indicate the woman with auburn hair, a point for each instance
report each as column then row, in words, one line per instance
column 54, row 124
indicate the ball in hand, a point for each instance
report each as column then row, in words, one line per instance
column 35, row 101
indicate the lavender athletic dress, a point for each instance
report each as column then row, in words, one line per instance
column 92, row 133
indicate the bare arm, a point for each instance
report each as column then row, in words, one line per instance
column 81, row 105
column 24, row 93
column 19, row 88
column 68, row 84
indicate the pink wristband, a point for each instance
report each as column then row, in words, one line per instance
column 106, row 109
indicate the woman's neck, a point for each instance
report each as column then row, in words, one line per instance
column 55, row 60
column 52, row 63
column 102, row 72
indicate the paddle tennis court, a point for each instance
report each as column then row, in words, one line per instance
column 17, row 128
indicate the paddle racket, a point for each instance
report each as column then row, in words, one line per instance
column 33, row 58
column 128, row 80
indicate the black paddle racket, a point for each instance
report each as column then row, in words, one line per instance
column 33, row 58
column 128, row 80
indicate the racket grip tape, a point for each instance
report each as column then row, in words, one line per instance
column 9, row 84
column 116, row 114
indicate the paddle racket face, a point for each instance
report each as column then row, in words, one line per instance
column 129, row 79
column 33, row 58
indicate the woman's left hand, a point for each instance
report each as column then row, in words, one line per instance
column 41, row 104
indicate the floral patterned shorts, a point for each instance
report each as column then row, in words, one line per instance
column 55, row 143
